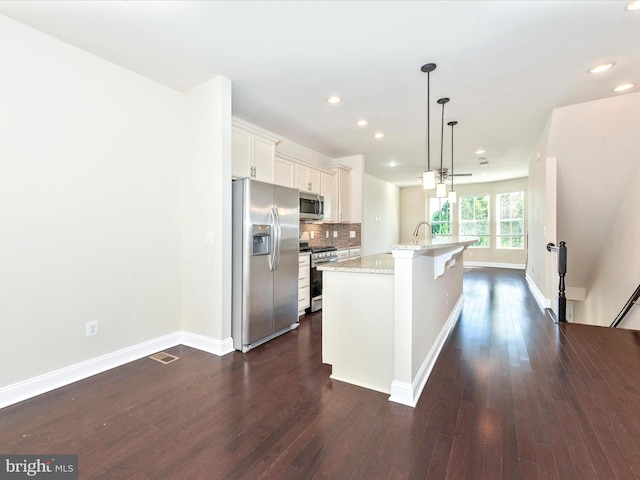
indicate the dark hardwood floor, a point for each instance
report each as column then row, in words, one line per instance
column 512, row 396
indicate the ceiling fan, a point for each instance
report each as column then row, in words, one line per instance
column 443, row 174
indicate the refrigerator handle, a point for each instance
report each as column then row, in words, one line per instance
column 277, row 239
column 274, row 241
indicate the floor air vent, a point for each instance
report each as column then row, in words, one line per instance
column 163, row 357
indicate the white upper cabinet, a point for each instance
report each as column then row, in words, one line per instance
column 284, row 172
column 326, row 190
column 252, row 152
column 342, row 194
column 307, row 178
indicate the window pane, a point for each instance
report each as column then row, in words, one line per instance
column 440, row 216
column 510, row 221
column 474, row 218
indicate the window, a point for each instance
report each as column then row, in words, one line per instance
column 474, row 218
column 440, row 215
column 510, row 220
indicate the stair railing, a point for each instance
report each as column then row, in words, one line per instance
column 562, row 270
column 630, row 303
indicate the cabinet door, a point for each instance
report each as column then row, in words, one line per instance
column 263, row 155
column 302, row 178
column 326, row 190
column 314, row 180
column 344, row 195
column 284, row 173
column 241, row 154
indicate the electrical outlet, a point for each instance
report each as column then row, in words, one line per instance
column 352, row 234
column 312, row 234
column 91, row 328
column 327, row 233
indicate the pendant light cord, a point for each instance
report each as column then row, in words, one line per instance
column 442, row 101
column 428, row 122
column 452, row 124
column 428, row 68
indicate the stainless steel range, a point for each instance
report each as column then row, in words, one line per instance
column 319, row 255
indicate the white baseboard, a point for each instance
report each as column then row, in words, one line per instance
column 32, row 387
column 514, row 266
column 541, row 300
column 409, row 394
column 207, row 344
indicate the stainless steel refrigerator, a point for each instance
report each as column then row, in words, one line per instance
column 265, row 262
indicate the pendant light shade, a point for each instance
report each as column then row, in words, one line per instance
column 429, row 176
column 453, row 198
column 428, row 179
column 441, row 188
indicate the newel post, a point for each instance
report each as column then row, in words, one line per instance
column 562, row 270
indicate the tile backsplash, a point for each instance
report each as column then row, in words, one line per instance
column 339, row 234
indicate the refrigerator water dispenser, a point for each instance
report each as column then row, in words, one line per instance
column 261, row 239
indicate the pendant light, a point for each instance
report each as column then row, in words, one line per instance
column 441, row 188
column 428, row 176
column 453, row 197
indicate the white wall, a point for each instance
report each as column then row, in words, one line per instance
column 206, row 207
column 616, row 272
column 380, row 216
column 596, row 145
column 541, row 225
column 412, row 211
column 588, row 161
column 89, row 204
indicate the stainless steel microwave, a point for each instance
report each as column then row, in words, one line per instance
column 311, row 206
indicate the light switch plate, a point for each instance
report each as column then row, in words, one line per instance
column 352, row 234
column 335, row 234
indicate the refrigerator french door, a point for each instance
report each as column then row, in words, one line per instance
column 265, row 262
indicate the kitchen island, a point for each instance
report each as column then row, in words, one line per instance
column 386, row 317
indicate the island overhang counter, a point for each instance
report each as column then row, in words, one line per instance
column 386, row 317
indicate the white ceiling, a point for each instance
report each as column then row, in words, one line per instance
column 504, row 64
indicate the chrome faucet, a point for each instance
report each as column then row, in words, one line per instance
column 415, row 232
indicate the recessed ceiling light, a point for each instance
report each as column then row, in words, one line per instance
column 362, row 123
column 334, row 99
column 392, row 163
column 601, row 68
column 623, row 87
column 378, row 135
column 480, row 152
column 633, row 6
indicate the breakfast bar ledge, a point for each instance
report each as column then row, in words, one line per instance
column 386, row 317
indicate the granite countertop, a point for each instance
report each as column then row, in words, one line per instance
column 436, row 243
column 382, row 263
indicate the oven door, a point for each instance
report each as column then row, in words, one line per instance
column 316, row 277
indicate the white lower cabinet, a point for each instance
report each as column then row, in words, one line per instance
column 304, row 282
